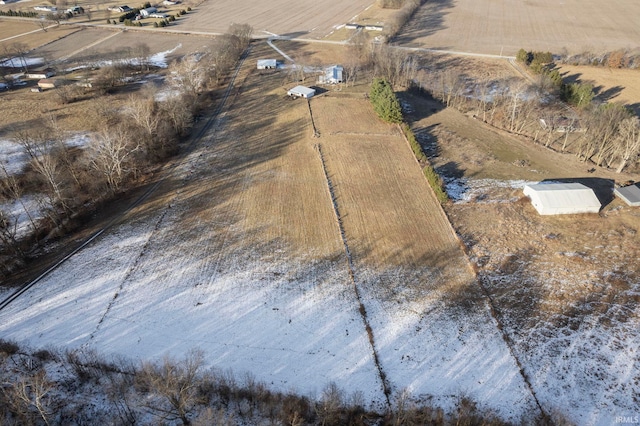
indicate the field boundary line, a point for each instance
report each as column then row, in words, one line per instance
column 386, row 389
column 316, row 134
column 493, row 311
column 129, row 272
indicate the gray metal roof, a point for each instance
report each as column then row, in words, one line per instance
column 629, row 194
column 562, row 198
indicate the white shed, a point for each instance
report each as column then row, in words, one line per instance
column 302, row 92
column 264, row 64
column 562, row 198
column 148, row 11
column 332, row 75
column 629, row 194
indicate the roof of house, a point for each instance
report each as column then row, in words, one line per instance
column 302, row 91
column 629, row 194
column 333, row 73
column 562, row 198
column 267, row 62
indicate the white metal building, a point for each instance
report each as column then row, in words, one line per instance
column 332, row 75
column 562, row 198
column 302, row 92
column 629, row 194
column 145, row 13
column 264, row 64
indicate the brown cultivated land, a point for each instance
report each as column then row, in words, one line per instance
column 304, row 18
column 495, row 27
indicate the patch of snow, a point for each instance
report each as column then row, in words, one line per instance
column 20, row 62
column 12, row 156
column 464, row 190
column 21, row 219
column 160, row 59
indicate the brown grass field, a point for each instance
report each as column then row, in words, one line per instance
column 304, row 18
column 611, row 85
column 503, row 27
column 28, row 33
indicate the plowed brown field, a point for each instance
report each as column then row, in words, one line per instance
column 504, row 26
column 307, row 18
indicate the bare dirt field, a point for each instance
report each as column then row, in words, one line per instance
column 103, row 44
column 503, row 27
column 611, row 85
column 305, row 18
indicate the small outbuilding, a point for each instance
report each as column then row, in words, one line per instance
column 562, row 198
column 41, row 73
column 145, row 13
column 332, row 75
column 264, row 64
column 629, row 194
column 48, row 83
column 302, row 92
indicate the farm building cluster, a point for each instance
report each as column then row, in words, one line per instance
column 329, row 75
column 551, row 198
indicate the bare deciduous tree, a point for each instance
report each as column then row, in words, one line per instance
column 242, row 31
column 112, row 154
column 628, row 142
column 29, row 397
column 176, row 383
column 40, row 150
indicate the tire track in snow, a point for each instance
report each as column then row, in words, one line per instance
column 386, row 389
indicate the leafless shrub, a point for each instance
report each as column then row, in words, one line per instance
column 29, row 398
column 175, row 386
column 329, row 408
column 8, row 348
column 88, row 365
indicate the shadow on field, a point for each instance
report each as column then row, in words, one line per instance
column 426, row 21
column 603, row 188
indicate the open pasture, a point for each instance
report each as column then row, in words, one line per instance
column 100, row 44
column 504, row 26
column 28, row 34
column 611, row 85
column 302, row 18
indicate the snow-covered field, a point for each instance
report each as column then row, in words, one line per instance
column 566, row 293
column 152, row 287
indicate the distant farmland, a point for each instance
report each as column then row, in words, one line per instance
column 495, row 27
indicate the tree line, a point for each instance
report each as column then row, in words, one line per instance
column 90, row 389
column 564, row 116
column 67, row 182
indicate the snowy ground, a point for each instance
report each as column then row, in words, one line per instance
column 152, row 287
column 29, row 207
column 566, row 293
